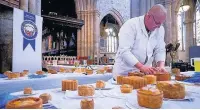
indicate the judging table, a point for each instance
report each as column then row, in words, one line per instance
column 57, row 67
column 106, row 99
column 49, row 82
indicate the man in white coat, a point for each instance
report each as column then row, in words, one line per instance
column 141, row 40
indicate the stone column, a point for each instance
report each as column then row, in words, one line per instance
column 168, row 26
column 168, row 30
column 79, row 37
column 135, row 8
column 6, row 39
column 143, row 7
column 189, row 20
column 96, row 33
column 23, row 4
column 89, row 33
column 38, row 7
column 32, row 6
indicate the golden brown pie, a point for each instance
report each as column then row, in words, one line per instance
column 7, row 72
column 135, row 81
column 125, row 88
column 163, row 76
column 100, row 84
column 181, row 77
column 120, row 80
column 89, row 71
column 45, row 98
column 86, row 90
column 52, row 71
column 171, row 90
column 150, row 98
column 87, row 104
column 69, row 85
column 151, row 79
column 13, row 75
column 40, row 72
column 28, row 90
column 62, row 70
column 136, row 74
column 25, row 103
column 176, row 71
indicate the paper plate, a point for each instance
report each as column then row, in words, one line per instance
column 107, row 87
column 21, row 94
column 131, row 102
column 115, row 93
column 74, row 95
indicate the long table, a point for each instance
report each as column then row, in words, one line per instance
column 49, row 82
column 125, row 100
column 57, row 67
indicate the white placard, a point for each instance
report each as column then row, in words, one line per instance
column 27, row 41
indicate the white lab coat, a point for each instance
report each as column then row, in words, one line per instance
column 135, row 45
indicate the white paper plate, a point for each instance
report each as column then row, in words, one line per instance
column 74, row 95
column 115, row 93
column 21, row 94
column 131, row 102
column 107, row 87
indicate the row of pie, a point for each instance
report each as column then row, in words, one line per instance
column 12, row 75
column 147, row 97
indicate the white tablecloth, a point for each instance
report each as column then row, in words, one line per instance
column 49, row 82
column 60, row 101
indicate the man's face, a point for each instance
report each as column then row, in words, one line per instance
column 154, row 21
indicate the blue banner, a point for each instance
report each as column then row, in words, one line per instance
column 29, row 30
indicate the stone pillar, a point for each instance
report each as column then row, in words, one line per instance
column 189, row 20
column 135, row 8
column 96, row 33
column 168, row 30
column 32, row 6
column 168, row 26
column 143, row 7
column 23, row 4
column 38, row 7
column 88, row 33
column 79, row 38
column 6, row 39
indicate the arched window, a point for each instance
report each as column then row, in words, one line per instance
column 109, row 29
column 111, row 40
column 181, row 30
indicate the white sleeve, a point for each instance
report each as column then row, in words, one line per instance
column 160, row 51
column 127, row 35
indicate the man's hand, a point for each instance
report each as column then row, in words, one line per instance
column 160, row 69
column 145, row 69
column 161, row 66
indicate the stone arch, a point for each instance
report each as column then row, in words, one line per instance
column 177, row 6
column 116, row 15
